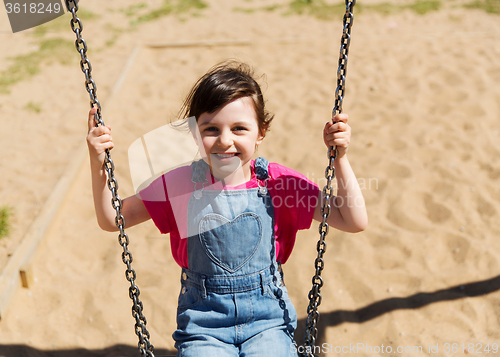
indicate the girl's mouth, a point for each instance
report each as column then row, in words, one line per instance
column 226, row 156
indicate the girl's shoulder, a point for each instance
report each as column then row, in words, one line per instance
column 177, row 175
column 289, row 179
column 277, row 170
column 165, row 184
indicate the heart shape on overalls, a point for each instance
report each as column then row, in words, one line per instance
column 230, row 243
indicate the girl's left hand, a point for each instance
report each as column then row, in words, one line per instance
column 338, row 133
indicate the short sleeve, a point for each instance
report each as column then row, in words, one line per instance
column 166, row 200
column 155, row 198
column 295, row 198
column 307, row 199
column 296, row 194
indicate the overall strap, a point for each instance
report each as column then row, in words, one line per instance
column 261, row 168
column 199, row 169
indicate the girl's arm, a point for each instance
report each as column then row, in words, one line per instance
column 133, row 209
column 348, row 211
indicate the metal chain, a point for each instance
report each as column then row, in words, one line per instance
column 317, row 280
column 344, row 50
column 145, row 347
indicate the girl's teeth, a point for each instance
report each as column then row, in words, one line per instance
column 225, row 155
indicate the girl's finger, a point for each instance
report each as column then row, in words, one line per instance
column 342, row 117
column 107, row 145
column 339, row 126
column 328, row 127
column 341, row 135
column 99, row 147
column 100, row 131
column 91, row 121
column 103, row 138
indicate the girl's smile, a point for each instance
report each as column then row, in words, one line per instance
column 228, row 139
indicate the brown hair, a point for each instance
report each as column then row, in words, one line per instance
column 223, row 83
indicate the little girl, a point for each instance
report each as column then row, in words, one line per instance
column 232, row 220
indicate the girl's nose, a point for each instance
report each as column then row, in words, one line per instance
column 225, row 138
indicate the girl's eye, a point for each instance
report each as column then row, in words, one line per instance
column 239, row 128
column 211, row 129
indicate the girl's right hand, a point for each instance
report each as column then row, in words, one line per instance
column 98, row 139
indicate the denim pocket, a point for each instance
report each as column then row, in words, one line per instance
column 277, row 293
column 230, row 244
column 189, row 297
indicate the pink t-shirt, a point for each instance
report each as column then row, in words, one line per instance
column 294, row 199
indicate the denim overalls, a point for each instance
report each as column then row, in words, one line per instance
column 233, row 301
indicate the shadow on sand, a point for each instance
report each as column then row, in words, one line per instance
column 416, row 301
column 328, row 319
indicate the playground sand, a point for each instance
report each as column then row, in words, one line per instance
column 422, row 96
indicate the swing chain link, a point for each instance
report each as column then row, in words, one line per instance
column 317, row 281
column 344, row 50
column 145, row 347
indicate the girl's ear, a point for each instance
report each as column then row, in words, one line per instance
column 262, row 134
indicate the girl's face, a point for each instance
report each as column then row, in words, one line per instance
column 228, row 139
